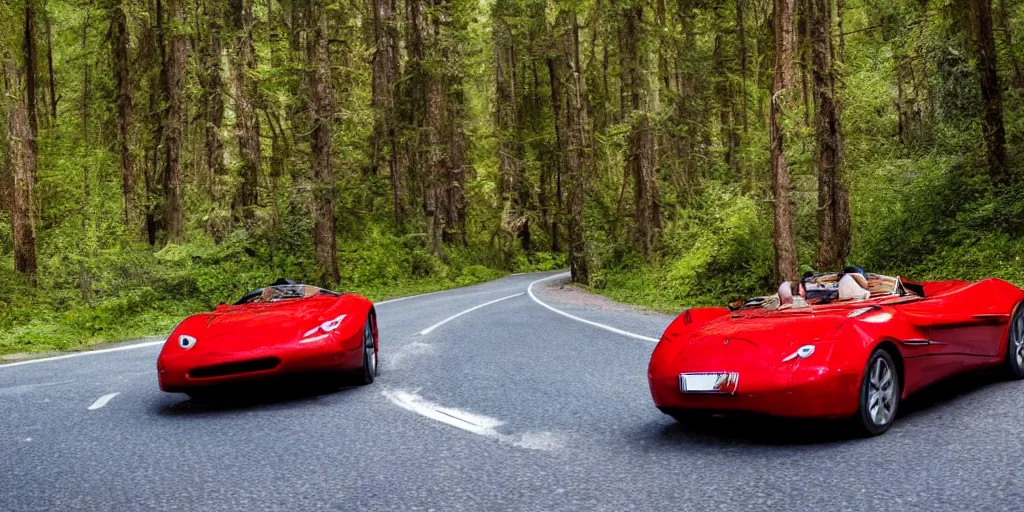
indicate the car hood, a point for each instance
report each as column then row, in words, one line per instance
column 250, row 325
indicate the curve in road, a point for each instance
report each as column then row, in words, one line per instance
column 511, row 406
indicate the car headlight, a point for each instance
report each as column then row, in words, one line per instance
column 803, row 353
column 186, row 342
column 327, row 326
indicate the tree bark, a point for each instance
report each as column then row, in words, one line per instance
column 21, row 148
column 321, row 97
column 782, row 80
column 833, row 214
column 385, row 87
column 569, row 104
column 991, row 93
column 119, row 42
column 247, row 127
column 173, row 210
column 641, row 156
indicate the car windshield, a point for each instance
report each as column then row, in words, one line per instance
column 282, row 292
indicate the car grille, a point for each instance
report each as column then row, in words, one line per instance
column 221, row 370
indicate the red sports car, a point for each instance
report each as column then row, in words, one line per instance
column 822, row 355
column 282, row 329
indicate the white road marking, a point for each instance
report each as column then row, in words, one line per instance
column 471, row 422
column 529, row 290
column 101, row 401
column 474, row 308
column 84, row 353
column 475, row 423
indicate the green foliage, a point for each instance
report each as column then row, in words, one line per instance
column 716, row 251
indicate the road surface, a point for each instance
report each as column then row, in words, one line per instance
column 537, row 401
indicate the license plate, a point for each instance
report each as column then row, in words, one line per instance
column 709, row 382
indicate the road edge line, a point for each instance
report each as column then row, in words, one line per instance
column 529, row 291
column 84, row 353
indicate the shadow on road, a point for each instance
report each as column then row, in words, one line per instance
column 277, row 393
column 754, row 430
column 947, row 391
column 770, row 431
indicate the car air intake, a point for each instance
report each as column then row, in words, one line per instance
column 220, row 370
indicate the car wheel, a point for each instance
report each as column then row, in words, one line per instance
column 369, row 352
column 879, row 394
column 1015, row 344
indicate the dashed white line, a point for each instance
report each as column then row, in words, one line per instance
column 529, row 290
column 101, row 401
column 85, row 353
column 474, row 308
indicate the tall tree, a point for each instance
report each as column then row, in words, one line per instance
column 991, row 93
column 49, row 65
column 512, row 178
column 31, row 58
column 641, row 154
column 174, row 63
column 243, row 87
column 321, row 106
column 385, row 89
column 119, row 46
column 782, row 80
column 211, row 81
column 22, row 156
column 573, row 133
column 833, row 195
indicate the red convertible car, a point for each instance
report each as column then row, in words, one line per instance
column 823, row 354
column 282, row 329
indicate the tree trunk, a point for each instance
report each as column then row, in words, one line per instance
column 21, row 147
column 31, row 68
column 512, row 180
column 174, row 214
column 569, row 104
column 119, row 42
column 321, row 97
column 212, row 81
column 781, row 101
column 247, row 127
column 385, row 84
column 991, row 93
column 49, row 66
column 833, row 196
column 641, row 151
column 385, row 80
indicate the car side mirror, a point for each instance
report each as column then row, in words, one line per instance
column 222, row 306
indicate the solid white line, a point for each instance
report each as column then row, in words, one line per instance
column 453, row 317
column 529, row 290
column 84, row 353
column 101, row 401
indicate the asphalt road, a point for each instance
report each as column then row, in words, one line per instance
column 511, row 406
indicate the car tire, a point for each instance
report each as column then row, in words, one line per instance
column 368, row 371
column 1015, row 344
column 879, row 395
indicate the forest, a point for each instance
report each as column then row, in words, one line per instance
column 162, row 156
